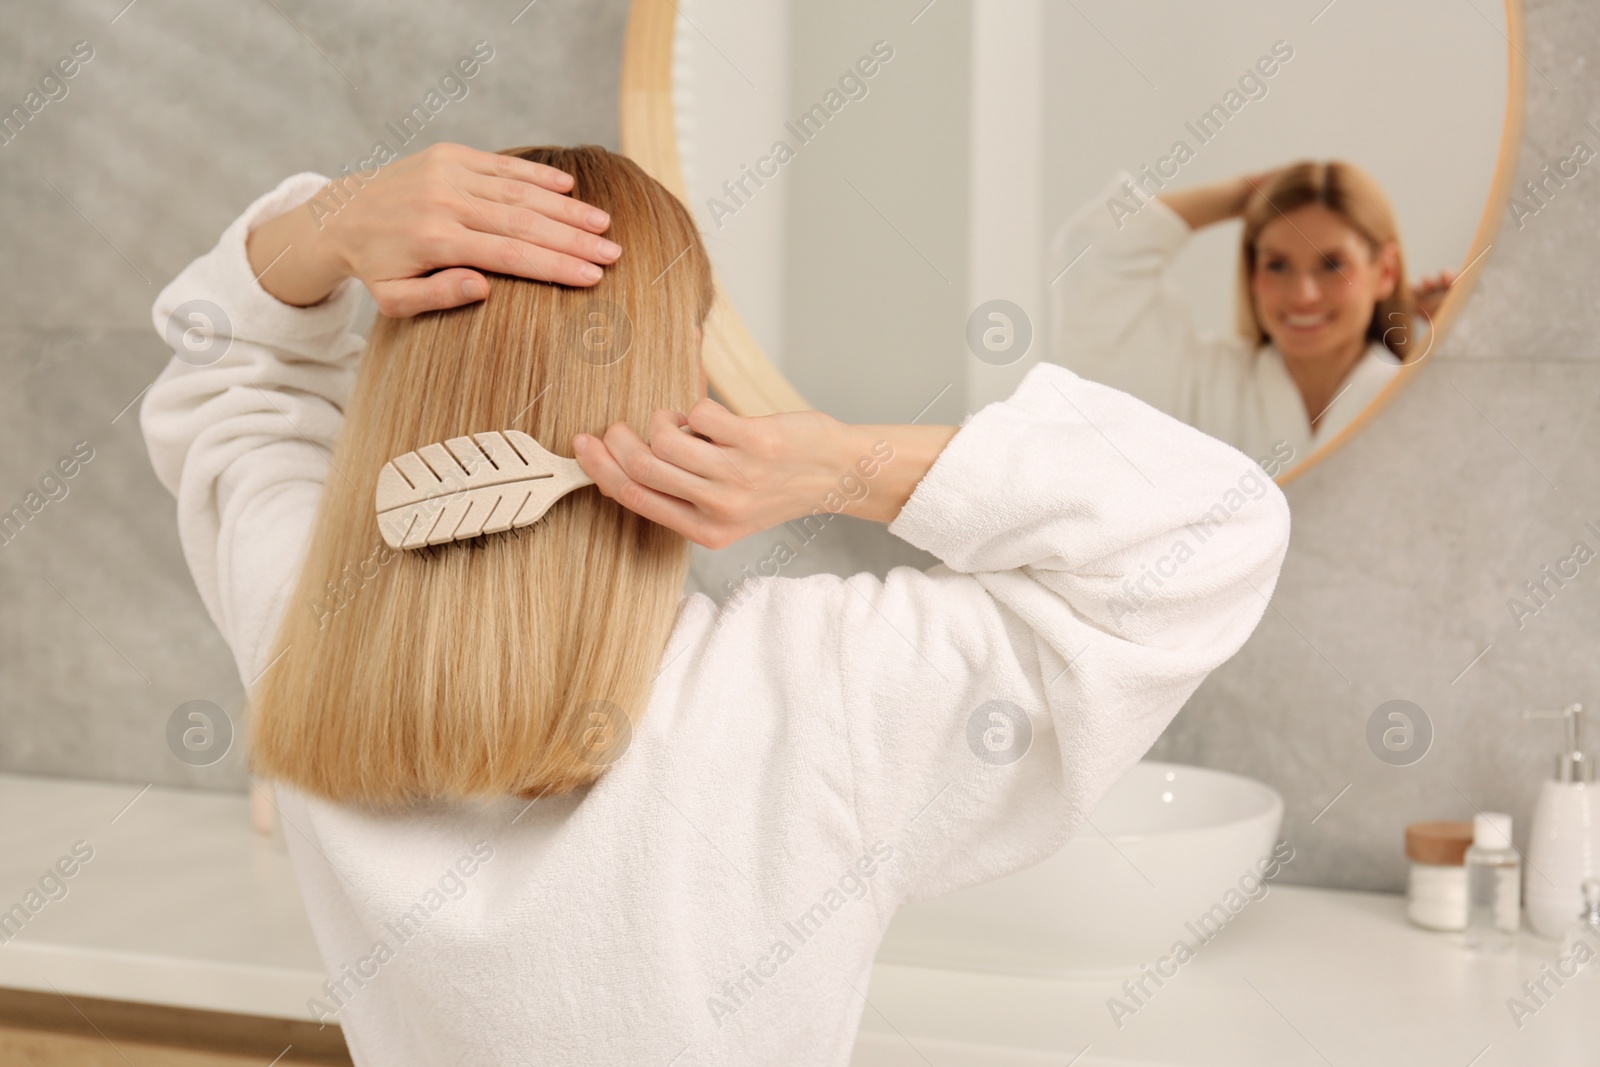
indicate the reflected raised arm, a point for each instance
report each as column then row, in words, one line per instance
column 1206, row 204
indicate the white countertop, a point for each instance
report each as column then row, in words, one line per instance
column 184, row 904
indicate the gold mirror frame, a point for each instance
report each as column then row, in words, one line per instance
column 746, row 380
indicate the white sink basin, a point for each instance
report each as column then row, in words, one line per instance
column 1167, row 845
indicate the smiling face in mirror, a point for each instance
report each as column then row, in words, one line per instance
column 1317, row 283
column 1322, row 277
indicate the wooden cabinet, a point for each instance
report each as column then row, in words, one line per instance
column 56, row 1030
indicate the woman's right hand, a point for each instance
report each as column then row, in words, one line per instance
column 716, row 477
column 414, row 232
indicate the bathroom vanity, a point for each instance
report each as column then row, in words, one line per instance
column 183, row 940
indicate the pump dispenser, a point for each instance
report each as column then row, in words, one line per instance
column 1582, row 941
column 1564, row 845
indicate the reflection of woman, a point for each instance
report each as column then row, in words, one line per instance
column 1324, row 314
column 631, row 825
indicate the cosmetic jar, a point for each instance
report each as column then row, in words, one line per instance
column 1436, row 891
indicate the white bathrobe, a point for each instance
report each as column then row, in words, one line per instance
column 816, row 751
column 1117, row 320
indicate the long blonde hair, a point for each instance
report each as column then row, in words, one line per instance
column 1357, row 198
column 514, row 663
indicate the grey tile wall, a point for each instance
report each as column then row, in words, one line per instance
column 184, row 114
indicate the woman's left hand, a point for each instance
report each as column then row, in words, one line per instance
column 420, row 233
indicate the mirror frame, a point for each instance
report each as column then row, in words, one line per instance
column 746, row 379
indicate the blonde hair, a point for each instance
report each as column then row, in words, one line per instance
column 514, row 663
column 1357, row 198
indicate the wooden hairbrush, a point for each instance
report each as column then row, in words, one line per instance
column 469, row 486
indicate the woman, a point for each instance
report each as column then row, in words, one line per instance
column 543, row 808
column 1324, row 315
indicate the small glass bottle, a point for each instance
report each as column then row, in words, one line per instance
column 1580, row 945
column 1494, row 885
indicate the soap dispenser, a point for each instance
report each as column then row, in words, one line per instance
column 1564, row 845
column 1582, row 941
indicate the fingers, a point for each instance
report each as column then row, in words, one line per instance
column 672, row 441
column 711, row 419
column 517, row 170
column 514, row 219
column 525, row 259
column 552, row 204
column 536, row 225
column 1434, row 288
column 642, row 465
column 406, row 297
column 506, row 165
column 665, row 419
column 595, row 457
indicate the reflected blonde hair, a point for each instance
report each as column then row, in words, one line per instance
column 514, row 663
column 1357, row 198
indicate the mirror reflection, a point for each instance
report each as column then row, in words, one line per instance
column 1251, row 219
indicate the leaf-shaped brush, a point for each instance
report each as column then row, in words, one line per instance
column 468, row 486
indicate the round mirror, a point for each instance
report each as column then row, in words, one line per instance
column 1257, row 220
